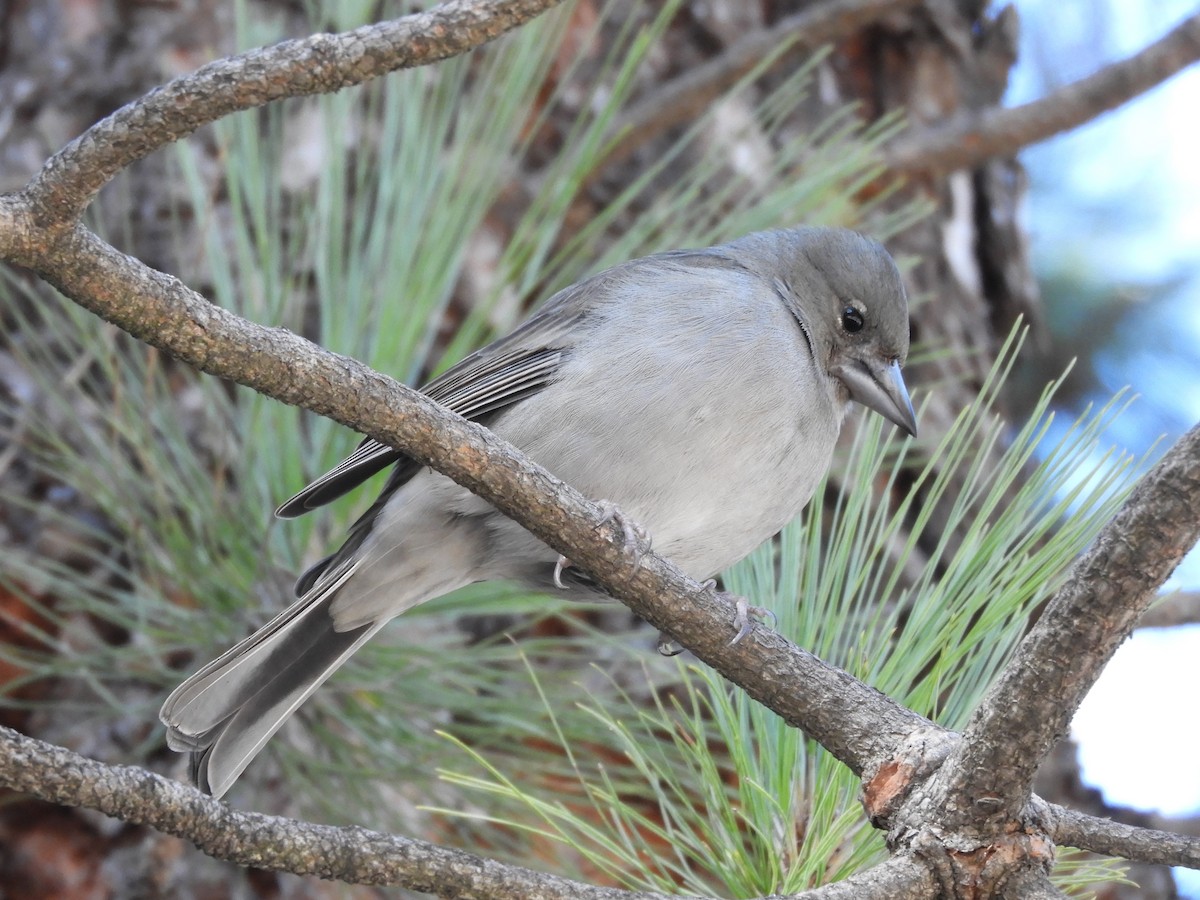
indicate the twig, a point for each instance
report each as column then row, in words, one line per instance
column 349, row 854
column 1179, row 608
column 1076, row 829
column 973, row 137
column 1029, row 707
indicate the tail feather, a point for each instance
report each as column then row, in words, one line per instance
column 230, row 746
column 227, row 711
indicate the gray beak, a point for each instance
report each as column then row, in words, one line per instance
column 881, row 388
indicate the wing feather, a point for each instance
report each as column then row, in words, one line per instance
column 488, row 381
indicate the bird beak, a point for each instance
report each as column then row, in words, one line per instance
column 881, row 388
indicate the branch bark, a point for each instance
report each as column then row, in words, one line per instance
column 1076, row 829
column 974, row 137
column 988, row 775
column 355, row 855
column 350, row 854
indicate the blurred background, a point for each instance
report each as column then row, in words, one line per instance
column 1115, row 234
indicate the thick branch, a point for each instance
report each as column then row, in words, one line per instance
column 686, row 97
column 1030, row 706
column 900, row 878
column 856, row 723
column 319, row 64
column 973, row 137
column 1076, row 829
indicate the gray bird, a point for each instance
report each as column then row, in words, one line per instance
column 698, row 391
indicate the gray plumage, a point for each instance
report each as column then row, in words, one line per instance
column 700, row 391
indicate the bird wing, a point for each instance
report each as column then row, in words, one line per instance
column 485, row 383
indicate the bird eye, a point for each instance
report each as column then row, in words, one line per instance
column 852, row 320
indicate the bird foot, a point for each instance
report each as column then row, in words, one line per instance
column 667, row 645
column 741, row 619
column 637, row 540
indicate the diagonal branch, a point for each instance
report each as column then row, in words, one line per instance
column 319, row 64
column 1029, row 708
column 1149, row 845
column 973, row 137
column 686, row 97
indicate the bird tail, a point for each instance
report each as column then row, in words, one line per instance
column 225, row 713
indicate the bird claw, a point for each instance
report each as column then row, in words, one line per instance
column 741, row 619
column 562, row 563
column 667, row 645
column 635, row 535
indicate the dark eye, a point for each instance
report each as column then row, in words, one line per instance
column 852, row 320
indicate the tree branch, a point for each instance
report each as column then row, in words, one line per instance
column 319, row 64
column 1076, row 829
column 988, row 774
column 351, row 854
column 687, row 96
column 902, row 877
column 971, row 138
column 1178, row 608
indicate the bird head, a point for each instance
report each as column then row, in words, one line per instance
column 846, row 294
